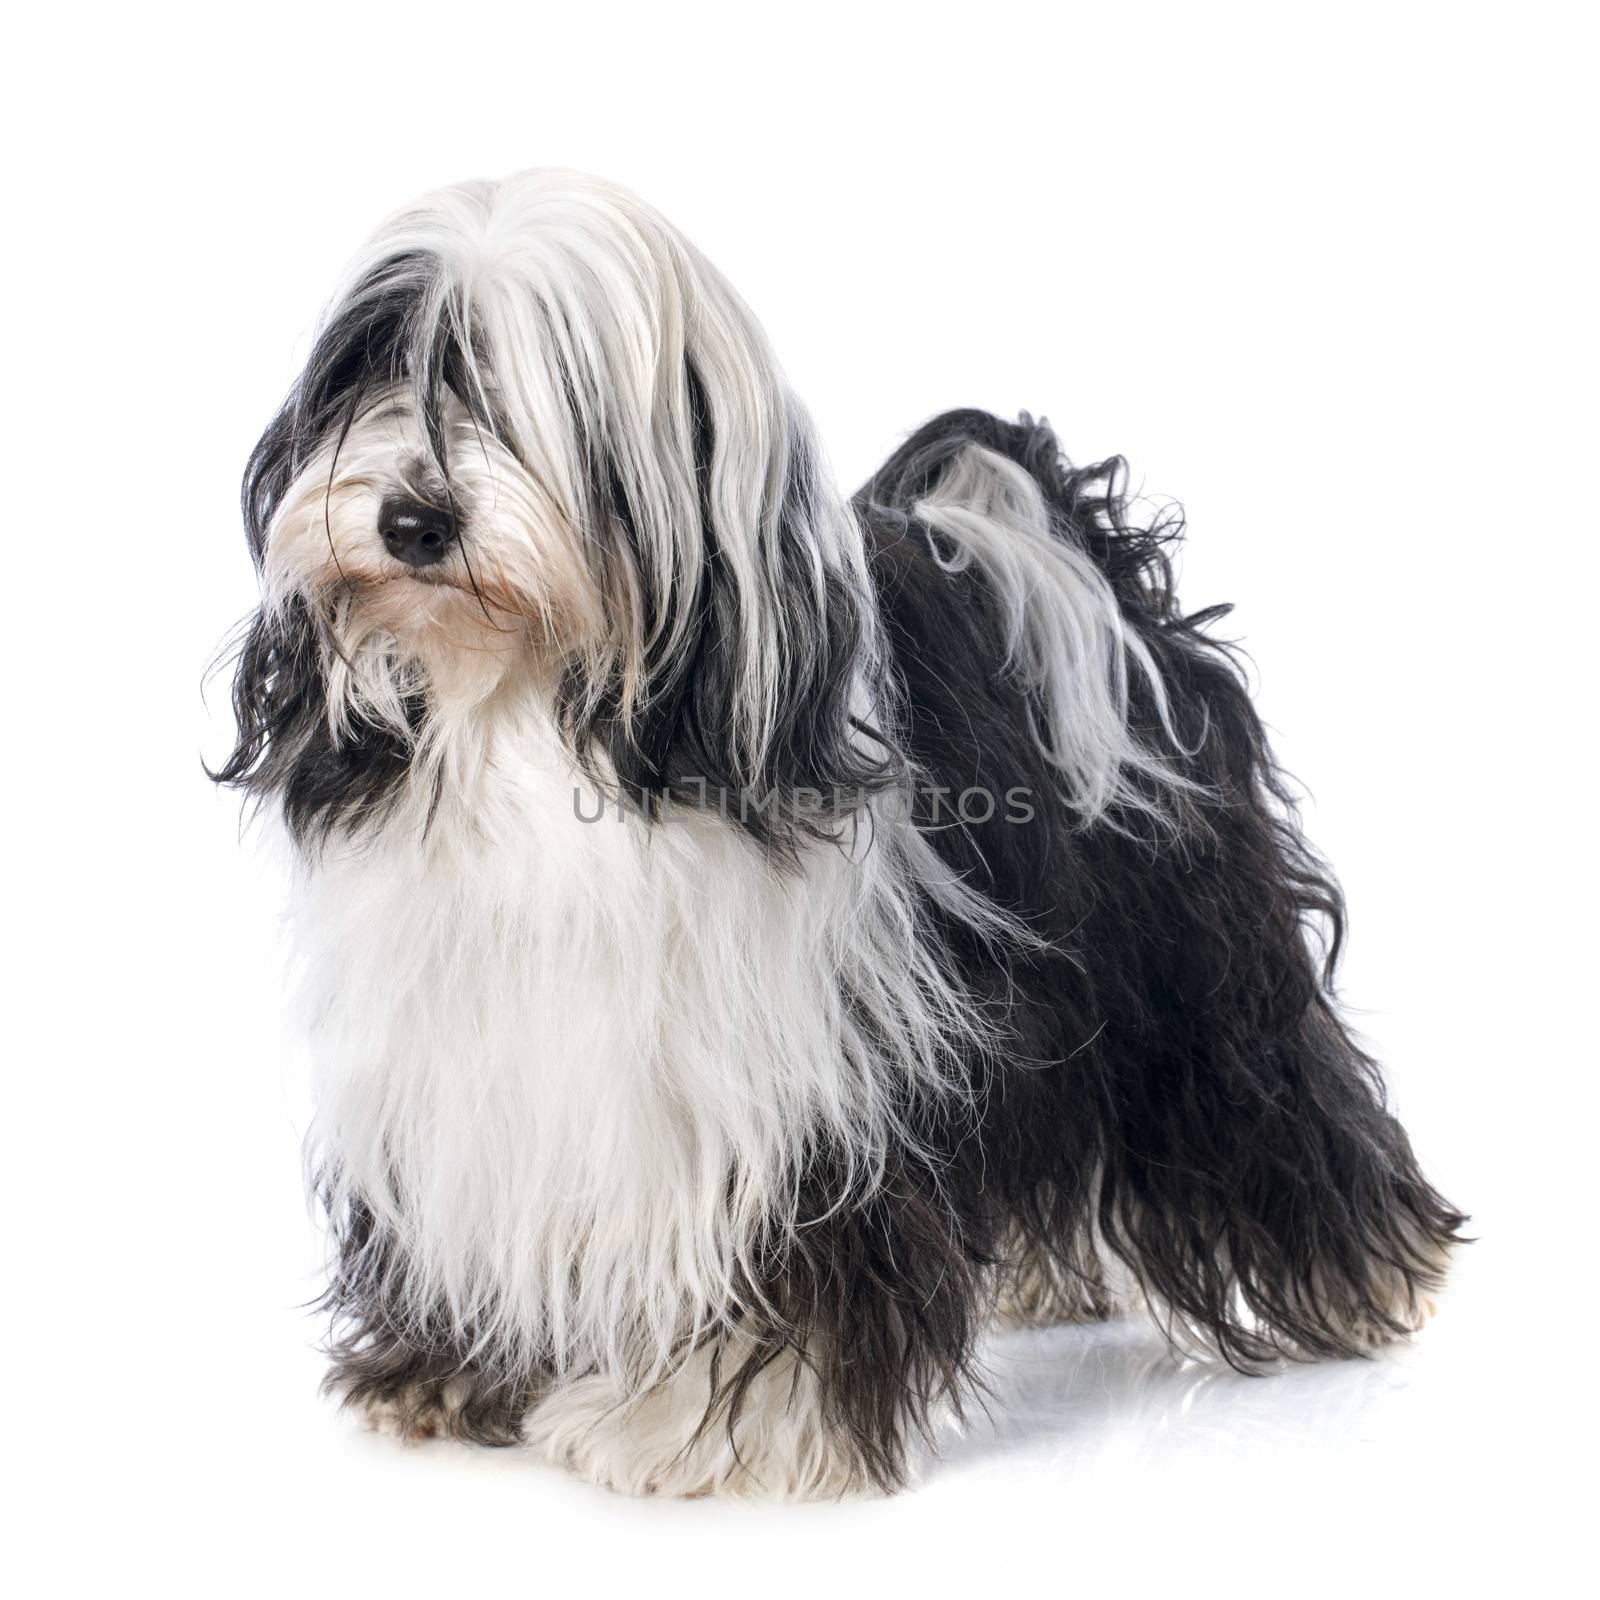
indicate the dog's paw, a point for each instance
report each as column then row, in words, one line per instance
column 1389, row 1306
column 414, row 1411
column 653, row 1443
column 1034, row 1291
column 1408, row 1311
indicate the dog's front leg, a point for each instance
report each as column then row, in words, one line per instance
column 861, row 1339
column 734, row 1417
column 414, row 1392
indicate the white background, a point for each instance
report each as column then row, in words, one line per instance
column 1324, row 273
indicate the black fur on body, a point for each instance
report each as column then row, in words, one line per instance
column 1178, row 1093
column 1178, row 1096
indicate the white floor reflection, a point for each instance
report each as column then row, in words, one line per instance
column 1080, row 1396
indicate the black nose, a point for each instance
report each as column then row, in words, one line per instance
column 416, row 534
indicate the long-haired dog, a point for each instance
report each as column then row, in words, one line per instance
column 750, row 938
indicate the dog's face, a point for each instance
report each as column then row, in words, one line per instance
column 541, row 449
column 443, row 549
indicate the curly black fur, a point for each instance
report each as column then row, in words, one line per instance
column 1178, row 1092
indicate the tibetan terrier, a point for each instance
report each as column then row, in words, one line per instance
column 751, row 940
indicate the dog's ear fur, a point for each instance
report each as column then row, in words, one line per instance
column 328, row 772
column 286, row 747
column 794, row 750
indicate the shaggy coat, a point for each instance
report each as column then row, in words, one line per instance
column 750, row 938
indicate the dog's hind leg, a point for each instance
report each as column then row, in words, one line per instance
column 1040, row 1287
column 1274, row 1214
column 1251, row 1174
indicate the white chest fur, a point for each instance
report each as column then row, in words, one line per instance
column 573, row 1066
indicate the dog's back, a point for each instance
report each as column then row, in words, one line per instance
column 1179, row 1096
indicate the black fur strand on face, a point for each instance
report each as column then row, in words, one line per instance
column 286, row 749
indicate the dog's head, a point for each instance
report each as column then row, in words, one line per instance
column 541, row 449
